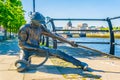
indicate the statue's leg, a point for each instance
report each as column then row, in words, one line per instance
column 66, row 57
column 25, row 55
column 23, row 62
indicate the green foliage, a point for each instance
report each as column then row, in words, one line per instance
column 11, row 14
column 114, row 28
column 105, row 28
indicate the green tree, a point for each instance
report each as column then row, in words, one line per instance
column 11, row 15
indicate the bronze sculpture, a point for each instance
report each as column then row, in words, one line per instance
column 29, row 38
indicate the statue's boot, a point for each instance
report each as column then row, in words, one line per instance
column 22, row 65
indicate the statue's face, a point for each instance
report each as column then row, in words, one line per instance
column 36, row 23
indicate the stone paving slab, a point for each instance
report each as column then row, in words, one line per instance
column 101, row 66
column 10, row 75
column 107, row 69
column 5, row 72
column 99, row 69
column 45, row 72
column 54, row 68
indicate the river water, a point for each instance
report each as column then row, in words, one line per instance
column 101, row 47
column 12, row 45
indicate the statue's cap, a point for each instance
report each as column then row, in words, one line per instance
column 38, row 17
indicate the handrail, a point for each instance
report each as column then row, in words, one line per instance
column 115, row 18
column 91, row 42
column 108, row 20
column 75, row 19
column 84, row 30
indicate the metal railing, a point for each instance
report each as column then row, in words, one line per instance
column 108, row 20
column 111, row 31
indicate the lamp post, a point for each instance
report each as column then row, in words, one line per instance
column 33, row 5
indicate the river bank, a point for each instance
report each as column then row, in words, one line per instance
column 92, row 35
column 101, row 35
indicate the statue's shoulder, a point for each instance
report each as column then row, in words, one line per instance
column 24, row 27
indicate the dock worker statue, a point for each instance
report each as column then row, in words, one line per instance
column 29, row 41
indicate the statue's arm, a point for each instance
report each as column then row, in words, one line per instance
column 58, row 37
column 22, row 37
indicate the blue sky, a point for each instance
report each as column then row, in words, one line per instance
column 74, row 8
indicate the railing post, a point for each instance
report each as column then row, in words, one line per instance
column 53, row 25
column 54, row 40
column 46, row 38
column 112, row 46
column 43, row 40
column 47, row 41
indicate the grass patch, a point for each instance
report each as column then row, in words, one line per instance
column 71, row 72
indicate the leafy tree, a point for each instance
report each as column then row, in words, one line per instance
column 11, row 15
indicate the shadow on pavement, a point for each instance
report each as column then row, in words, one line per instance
column 9, row 47
column 52, row 69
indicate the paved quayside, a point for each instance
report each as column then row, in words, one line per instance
column 101, row 66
